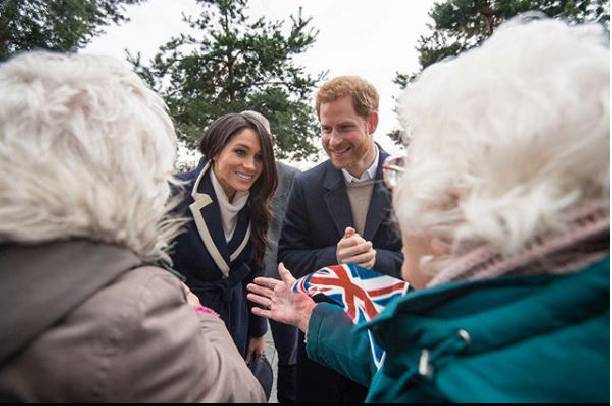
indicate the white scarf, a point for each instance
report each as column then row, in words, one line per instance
column 229, row 211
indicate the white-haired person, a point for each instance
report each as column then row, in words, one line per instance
column 87, row 154
column 502, row 199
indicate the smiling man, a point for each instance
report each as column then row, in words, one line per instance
column 338, row 212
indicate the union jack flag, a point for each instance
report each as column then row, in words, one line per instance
column 363, row 294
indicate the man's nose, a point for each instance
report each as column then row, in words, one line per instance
column 334, row 138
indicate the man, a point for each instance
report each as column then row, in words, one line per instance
column 285, row 336
column 338, row 212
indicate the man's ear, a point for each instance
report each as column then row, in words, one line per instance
column 373, row 121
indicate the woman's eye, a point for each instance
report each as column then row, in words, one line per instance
column 240, row 152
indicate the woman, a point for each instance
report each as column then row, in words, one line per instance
column 87, row 152
column 229, row 212
column 503, row 204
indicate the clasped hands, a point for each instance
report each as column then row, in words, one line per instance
column 354, row 249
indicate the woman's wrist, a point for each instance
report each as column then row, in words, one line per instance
column 305, row 315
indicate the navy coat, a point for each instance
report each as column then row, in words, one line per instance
column 317, row 214
column 217, row 271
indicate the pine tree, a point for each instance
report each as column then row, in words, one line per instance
column 62, row 25
column 459, row 25
column 230, row 63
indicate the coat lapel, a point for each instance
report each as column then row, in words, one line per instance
column 207, row 218
column 242, row 234
column 336, row 199
column 380, row 204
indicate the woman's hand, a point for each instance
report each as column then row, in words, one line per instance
column 255, row 348
column 279, row 303
column 191, row 298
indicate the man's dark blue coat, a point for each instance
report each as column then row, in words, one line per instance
column 318, row 213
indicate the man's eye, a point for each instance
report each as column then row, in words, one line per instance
column 326, row 130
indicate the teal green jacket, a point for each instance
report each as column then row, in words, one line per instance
column 539, row 338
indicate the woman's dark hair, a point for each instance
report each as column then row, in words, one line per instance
column 215, row 138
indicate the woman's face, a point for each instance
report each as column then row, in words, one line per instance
column 240, row 163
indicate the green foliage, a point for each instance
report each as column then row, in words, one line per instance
column 230, row 63
column 63, row 25
column 462, row 24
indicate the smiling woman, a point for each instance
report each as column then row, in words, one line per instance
column 227, row 204
column 238, row 166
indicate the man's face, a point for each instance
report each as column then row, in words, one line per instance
column 347, row 137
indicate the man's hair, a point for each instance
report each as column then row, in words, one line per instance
column 362, row 93
column 519, row 127
column 86, row 151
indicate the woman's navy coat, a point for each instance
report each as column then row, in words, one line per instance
column 217, row 272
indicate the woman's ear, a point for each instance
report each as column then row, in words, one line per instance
column 439, row 247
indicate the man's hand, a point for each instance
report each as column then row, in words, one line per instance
column 353, row 249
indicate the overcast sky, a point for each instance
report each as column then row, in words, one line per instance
column 373, row 39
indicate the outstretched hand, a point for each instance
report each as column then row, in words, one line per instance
column 278, row 302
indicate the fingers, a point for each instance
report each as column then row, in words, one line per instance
column 260, row 290
column 351, row 246
column 360, row 248
column 285, row 274
column 355, row 239
column 361, row 259
column 370, row 264
column 191, row 298
column 348, row 232
column 363, row 250
column 258, row 311
column 260, row 300
column 251, row 355
column 267, row 282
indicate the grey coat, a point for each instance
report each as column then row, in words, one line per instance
column 286, row 174
column 87, row 322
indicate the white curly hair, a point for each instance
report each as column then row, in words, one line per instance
column 504, row 139
column 87, row 151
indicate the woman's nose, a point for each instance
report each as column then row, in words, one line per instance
column 249, row 163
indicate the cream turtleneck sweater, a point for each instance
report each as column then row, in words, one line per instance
column 229, row 211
